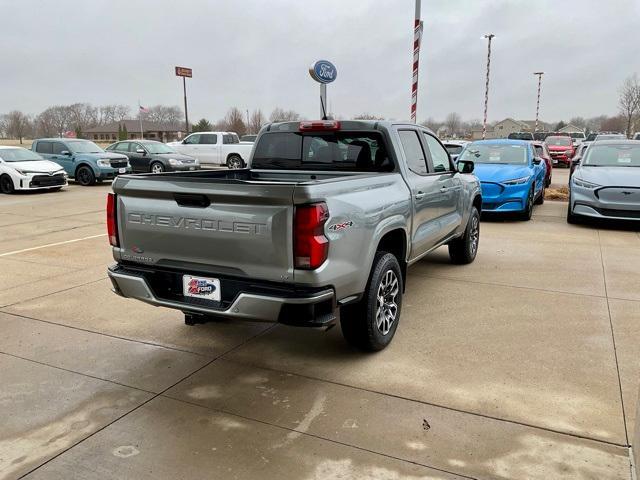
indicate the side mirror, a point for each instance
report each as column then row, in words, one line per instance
column 537, row 160
column 576, row 160
column 65, row 152
column 141, row 150
column 465, row 166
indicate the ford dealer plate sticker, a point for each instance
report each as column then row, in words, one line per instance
column 201, row 287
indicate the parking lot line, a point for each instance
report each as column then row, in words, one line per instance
column 52, row 245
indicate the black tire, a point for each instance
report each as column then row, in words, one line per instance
column 540, row 199
column 359, row 321
column 571, row 217
column 527, row 213
column 85, row 176
column 55, row 189
column 156, row 167
column 463, row 250
column 235, row 162
column 6, row 185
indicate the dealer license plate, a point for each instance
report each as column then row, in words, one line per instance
column 201, row 287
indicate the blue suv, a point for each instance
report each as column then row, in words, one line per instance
column 83, row 160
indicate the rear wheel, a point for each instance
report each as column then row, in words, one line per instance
column 464, row 249
column 371, row 323
column 234, row 162
column 6, row 184
column 85, row 176
column 157, row 167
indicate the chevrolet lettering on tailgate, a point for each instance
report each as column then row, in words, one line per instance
column 187, row 223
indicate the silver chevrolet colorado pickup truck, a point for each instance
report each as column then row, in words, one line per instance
column 325, row 222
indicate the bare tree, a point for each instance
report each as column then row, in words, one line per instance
column 18, row 124
column 432, row 124
column 280, row 115
column 629, row 100
column 452, row 122
column 82, row 116
column 3, row 126
column 613, row 124
column 256, row 121
column 578, row 122
column 53, row 121
column 164, row 115
column 367, row 116
column 234, row 121
column 121, row 112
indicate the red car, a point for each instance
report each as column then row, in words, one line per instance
column 561, row 149
column 543, row 152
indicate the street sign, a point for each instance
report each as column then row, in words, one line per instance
column 323, row 71
column 183, row 72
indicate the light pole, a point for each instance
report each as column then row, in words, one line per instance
column 539, row 74
column 488, row 36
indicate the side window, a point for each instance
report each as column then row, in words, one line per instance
column 208, row 139
column 439, row 155
column 58, row 148
column 123, row 146
column 44, row 147
column 192, row 139
column 413, row 151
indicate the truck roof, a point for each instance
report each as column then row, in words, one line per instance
column 346, row 125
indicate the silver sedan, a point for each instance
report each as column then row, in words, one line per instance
column 606, row 182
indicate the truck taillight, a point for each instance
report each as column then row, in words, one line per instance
column 112, row 220
column 319, row 125
column 310, row 246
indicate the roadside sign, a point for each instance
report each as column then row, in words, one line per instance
column 323, row 71
column 184, row 72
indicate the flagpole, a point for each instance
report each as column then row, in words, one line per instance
column 140, row 118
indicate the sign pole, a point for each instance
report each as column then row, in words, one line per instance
column 417, row 34
column 539, row 74
column 186, row 113
column 489, row 37
column 323, row 101
column 323, row 72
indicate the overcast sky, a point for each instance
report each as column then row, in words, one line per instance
column 256, row 53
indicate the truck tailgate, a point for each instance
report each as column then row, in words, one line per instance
column 239, row 229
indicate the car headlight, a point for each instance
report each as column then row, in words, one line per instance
column 568, row 153
column 20, row 172
column 104, row 163
column 517, row 181
column 173, row 161
column 584, row 184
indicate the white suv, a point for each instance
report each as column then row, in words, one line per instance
column 22, row 169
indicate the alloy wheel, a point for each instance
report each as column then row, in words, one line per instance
column 474, row 235
column 387, row 306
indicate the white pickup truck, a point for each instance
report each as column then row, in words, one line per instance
column 215, row 148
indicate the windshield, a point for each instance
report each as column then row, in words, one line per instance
column 18, row 155
column 613, row 156
column 453, row 149
column 520, row 136
column 158, row 148
column 577, row 135
column 351, row 151
column 493, row 153
column 592, row 137
column 558, row 141
column 84, row 147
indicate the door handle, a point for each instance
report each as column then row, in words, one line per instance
column 420, row 195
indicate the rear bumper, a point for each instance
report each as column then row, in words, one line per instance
column 313, row 307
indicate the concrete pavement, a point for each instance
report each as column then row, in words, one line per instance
column 523, row 364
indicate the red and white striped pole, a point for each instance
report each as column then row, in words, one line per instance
column 417, row 37
column 539, row 74
column 489, row 36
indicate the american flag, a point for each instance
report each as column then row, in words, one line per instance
column 143, row 109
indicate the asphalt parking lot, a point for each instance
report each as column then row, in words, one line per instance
column 524, row 364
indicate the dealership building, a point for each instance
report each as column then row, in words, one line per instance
column 151, row 130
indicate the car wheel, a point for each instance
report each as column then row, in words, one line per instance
column 6, row 184
column 527, row 213
column 234, row 162
column 540, row 199
column 85, row 176
column 463, row 250
column 157, row 167
column 371, row 323
column 571, row 217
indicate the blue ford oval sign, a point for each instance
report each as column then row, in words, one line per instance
column 323, row 71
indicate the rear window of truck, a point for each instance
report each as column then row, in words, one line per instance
column 349, row 151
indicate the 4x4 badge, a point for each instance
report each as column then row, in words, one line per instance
column 341, row 226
